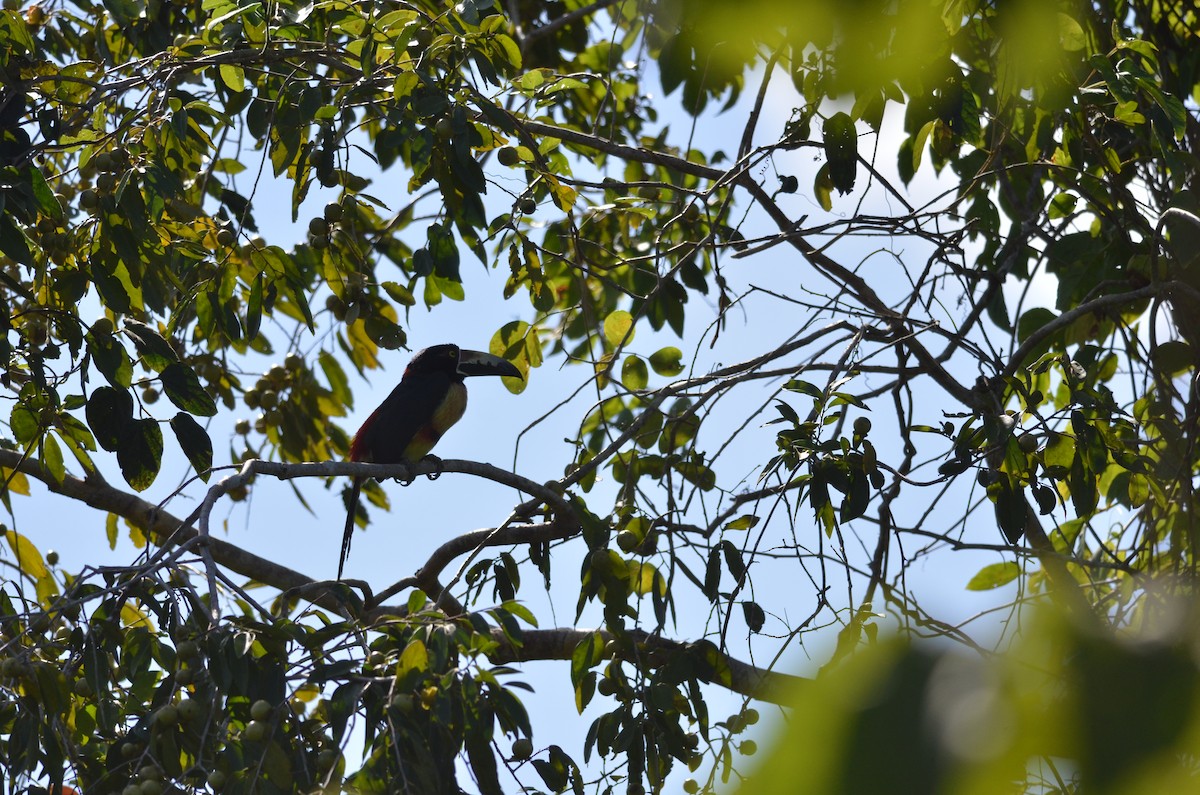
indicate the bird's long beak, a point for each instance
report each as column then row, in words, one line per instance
column 480, row 363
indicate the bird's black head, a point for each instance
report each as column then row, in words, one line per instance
column 458, row 363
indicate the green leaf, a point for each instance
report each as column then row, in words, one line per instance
column 823, row 188
column 111, row 360
column 667, row 361
column 586, row 654
column 415, row 657
column 339, row 384
column 24, row 423
column 1070, row 34
column 108, row 413
column 743, row 522
column 733, row 561
column 13, row 241
column 994, row 576
column 510, row 49
column 184, row 389
column 754, row 615
column 52, row 458
column 194, row 441
column 617, row 325
column 140, row 453
column 918, row 146
column 254, row 308
column 634, row 374
column 400, row 294
column 29, row 559
column 155, row 352
column 841, row 151
column 233, row 76
column 1127, row 113
column 47, row 203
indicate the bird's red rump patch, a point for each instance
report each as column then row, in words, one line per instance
column 358, row 445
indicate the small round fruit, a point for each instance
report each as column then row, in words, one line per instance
column 167, row 716
column 318, row 226
column 627, row 541
column 217, row 780
column 52, row 558
column 748, row 748
column 319, row 242
column 606, row 687
column 242, row 427
column 862, row 425
column 130, row 749
column 88, row 199
column 150, row 395
column 256, row 731
column 444, row 129
column 527, row 205
column 326, row 759
column 508, row 156
column 750, row 716
column 269, row 399
column 190, row 709
column 403, row 703
column 522, row 748
column 35, row 16
column 261, row 709
column 226, row 237
column 1028, row 443
column 294, row 362
column 422, row 37
column 185, row 677
column 103, row 327
column 334, row 212
column 132, row 789
column 103, row 161
column 106, row 182
column 692, row 740
column 151, row 788
column 336, row 306
column 691, row 786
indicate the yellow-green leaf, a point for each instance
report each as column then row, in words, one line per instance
column 667, row 361
column 617, row 326
column 233, row 76
column 634, row 374
column 415, row 657
column 29, row 559
column 994, row 576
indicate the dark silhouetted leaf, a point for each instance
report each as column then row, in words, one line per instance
column 195, row 443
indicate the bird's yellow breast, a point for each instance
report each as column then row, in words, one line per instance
column 448, row 412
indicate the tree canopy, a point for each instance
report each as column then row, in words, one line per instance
column 837, row 288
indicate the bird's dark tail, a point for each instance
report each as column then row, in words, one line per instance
column 348, row 535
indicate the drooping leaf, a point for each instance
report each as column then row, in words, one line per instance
column 140, row 453
column 194, row 441
column 182, row 386
column 109, row 411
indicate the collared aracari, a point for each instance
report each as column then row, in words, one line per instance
column 430, row 397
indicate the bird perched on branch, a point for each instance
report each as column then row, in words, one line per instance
column 430, row 397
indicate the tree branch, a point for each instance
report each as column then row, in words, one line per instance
column 551, row 644
column 712, row 665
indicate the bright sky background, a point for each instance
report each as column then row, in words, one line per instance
column 274, row 525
